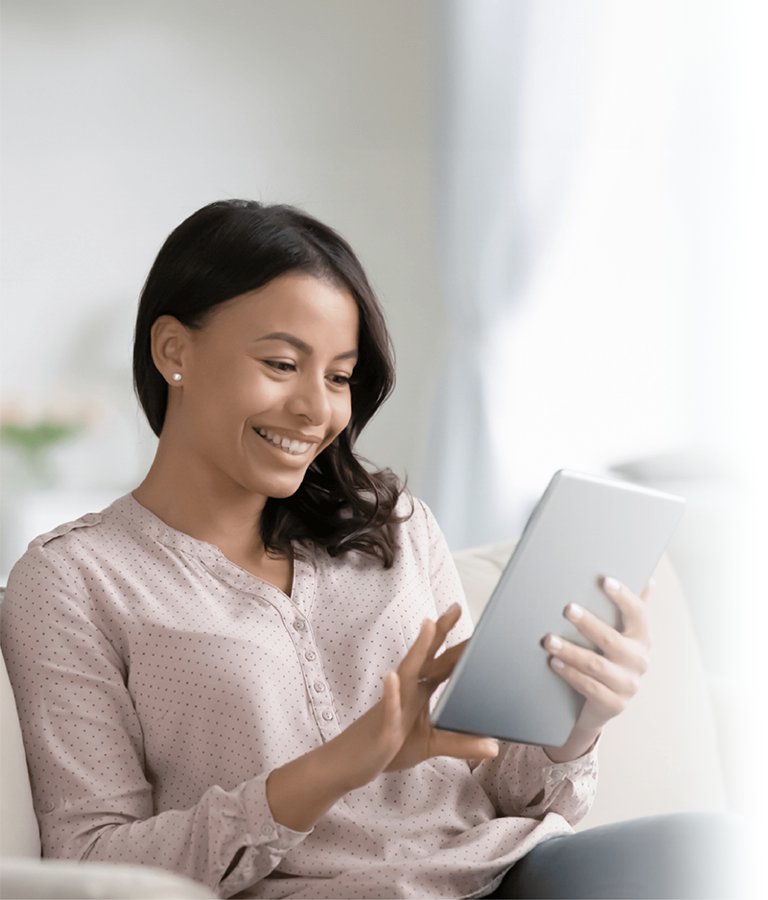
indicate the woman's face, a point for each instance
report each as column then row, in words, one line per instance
column 265, row 384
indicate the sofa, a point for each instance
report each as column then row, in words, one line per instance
column 661, row 755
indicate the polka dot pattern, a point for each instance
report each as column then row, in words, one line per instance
column 158, row 684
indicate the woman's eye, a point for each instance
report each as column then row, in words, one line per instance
column 280, row 366
column 341, row 380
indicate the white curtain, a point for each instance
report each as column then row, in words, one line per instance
column 514, row 81
column 600, row 211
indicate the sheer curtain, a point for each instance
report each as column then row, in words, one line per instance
column 505, row 151
column 599, row 194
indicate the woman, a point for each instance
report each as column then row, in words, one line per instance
column 228, row 672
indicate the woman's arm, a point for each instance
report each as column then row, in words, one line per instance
column 85, row 744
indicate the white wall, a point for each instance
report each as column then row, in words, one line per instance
column 122, row 117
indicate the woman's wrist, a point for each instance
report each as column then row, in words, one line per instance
column 580, row 741
column 303, row 790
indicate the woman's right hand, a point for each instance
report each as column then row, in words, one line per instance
column 394, row 734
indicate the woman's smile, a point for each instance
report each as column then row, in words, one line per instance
column 291, row 446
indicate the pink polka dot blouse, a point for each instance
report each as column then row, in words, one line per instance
column 158, row 684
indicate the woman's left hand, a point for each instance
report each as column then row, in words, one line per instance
column 607, row 680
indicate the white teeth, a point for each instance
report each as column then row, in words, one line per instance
column 289, row 446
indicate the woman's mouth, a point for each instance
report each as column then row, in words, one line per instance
column 293, row 448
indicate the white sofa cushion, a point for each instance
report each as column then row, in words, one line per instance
column 19, row 833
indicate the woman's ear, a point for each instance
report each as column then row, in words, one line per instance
column 169, row 340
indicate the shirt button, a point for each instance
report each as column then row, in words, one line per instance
column 310, row 655
column 48, row 806
column 319, row 687
column 327, row 715
column 299, row 625
column 266, row 829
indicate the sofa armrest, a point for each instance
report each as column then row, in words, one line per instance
column 19, row 833
column 25, row 879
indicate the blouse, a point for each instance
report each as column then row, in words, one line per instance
column 158, row 684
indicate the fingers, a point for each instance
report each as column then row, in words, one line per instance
column 461, row 746
column 435, row 671
column 628, row 647
column 606, row 695
column 586, row 669
column 608, row 679
column 618, row 653
column 443, row 625
column 631, row 607
column 414, row 659
column 431, row 637
column 606, row 686
column 390, row 698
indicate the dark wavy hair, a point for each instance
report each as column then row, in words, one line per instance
column 227, row 249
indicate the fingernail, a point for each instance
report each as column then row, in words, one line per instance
column 574, row 611
column 554, row 643
column 452, row 609
column 557, row 663
column 610, row 584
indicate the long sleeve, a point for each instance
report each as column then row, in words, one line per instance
column 444, row 580
column 523, row 781
column 93, row 784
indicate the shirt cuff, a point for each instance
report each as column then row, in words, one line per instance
column 264, row 842
column 264, row 829
column 555, row 773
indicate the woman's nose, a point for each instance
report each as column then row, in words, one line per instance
column 310, row 399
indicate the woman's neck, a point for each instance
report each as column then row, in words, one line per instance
column 190, row 498
column 231, row 526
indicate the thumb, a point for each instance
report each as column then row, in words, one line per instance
column 462, row 746
column 390, row 698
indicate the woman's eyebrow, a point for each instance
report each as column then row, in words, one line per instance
column 300, row 345
column 288, row 339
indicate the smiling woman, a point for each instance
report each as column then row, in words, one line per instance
column 278, row 304
column 228, row 672
column 255, row 405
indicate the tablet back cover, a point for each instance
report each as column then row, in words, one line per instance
column 583, row 527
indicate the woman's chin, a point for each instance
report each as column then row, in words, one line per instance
column 280, row 489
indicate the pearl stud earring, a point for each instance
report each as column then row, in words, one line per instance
column 177, row 376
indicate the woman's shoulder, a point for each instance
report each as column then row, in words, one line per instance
column 417, row 530
column 414, row 516
column 51, row 576
column 70, row 546
column 88, row 528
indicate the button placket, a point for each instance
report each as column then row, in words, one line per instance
column 319, row 693
column 309, row 659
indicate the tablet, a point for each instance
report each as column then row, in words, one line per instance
column 583, row 527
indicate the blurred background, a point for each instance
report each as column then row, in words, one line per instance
column 561, row 205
